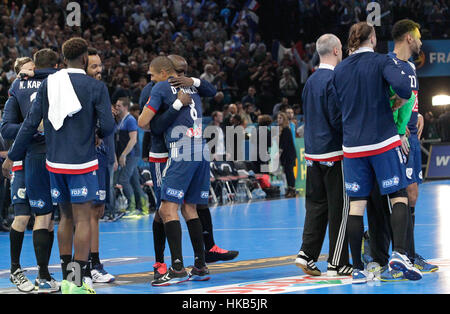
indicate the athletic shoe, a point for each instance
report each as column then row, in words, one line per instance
column 159, row 269
column 365, row 249
column 65, row 287
column 100, row 275
column 360, row 276
column 22, row 283
column 307, row 264
column 391, row 275
column 118, row 216
column 171, row 277
column 145, row 205
column 88, row 282
column 199, row 274
column 216, row 254
column 401, row 262
column 47, row 286
column 334, row 271
column 422, row 264
column 84, row 289
column 133, row 214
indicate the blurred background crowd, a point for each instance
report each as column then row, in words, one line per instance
column 258, row 54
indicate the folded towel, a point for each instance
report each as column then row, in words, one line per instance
column 62, row 99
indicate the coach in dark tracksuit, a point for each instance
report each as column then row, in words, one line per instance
column 326, row 200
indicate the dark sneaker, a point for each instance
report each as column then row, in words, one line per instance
column 422, row 264
column 217, row 254
column 47, row 286
column 199, row 274
column 391, row 275
column 400, row 262
column 307, row 264
column 334, row 271
column 171, row 277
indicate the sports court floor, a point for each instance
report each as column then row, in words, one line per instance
column 268, row 236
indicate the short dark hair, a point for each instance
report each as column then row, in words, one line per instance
column 215, row 113
column 74, row 48
column 402, row 27
column 45, row 58
column 162, row 63
column 125, row 101
column 92, row 51
column 284, row 107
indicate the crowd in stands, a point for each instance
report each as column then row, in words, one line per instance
column 258, row 58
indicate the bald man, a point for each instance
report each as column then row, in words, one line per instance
column 326, row 200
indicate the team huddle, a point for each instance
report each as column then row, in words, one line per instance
column 62, row 123
column 362, row 131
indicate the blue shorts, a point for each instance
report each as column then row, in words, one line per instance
column 186, row 182
column 103, row 179
column 19, row 198
column 388, row 169
column 74, row 188
column 414, row 162
column 37, row 180
column 156, row 169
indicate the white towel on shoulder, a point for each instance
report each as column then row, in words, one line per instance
column 62, row 99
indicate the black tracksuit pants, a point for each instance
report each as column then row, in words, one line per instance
column 326, row 204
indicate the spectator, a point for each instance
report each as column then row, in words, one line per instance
column 264, row 140
column 287, row 153
column 284, row 102
column 123, row 90
column 288, row 86
column 216, row 103
column 430, row 131
column 250, row 97
column 292, row 122
column 208, row 74
column 231, row 111
column 248, row 115
column 217, row 151
column 444, row 126
column 127, row 152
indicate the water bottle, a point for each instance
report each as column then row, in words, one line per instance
column 224, row 195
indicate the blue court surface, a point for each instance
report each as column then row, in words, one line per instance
column 268, row 236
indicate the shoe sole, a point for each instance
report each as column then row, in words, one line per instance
column 392, row 280
column 47, row 291
column 306, row 270
column 427, row 271
column 359, row 281
column 199, row 278
column 332, row 273
column 25, row 291
column 171, row 282
column 409, row 274
column 109, row 281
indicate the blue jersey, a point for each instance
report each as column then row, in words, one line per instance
column 21, row 95
column 362, row 83
column 158, row 150
column 71, row 149
column 410, row 70
column 323, row 119
column 187, row 123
